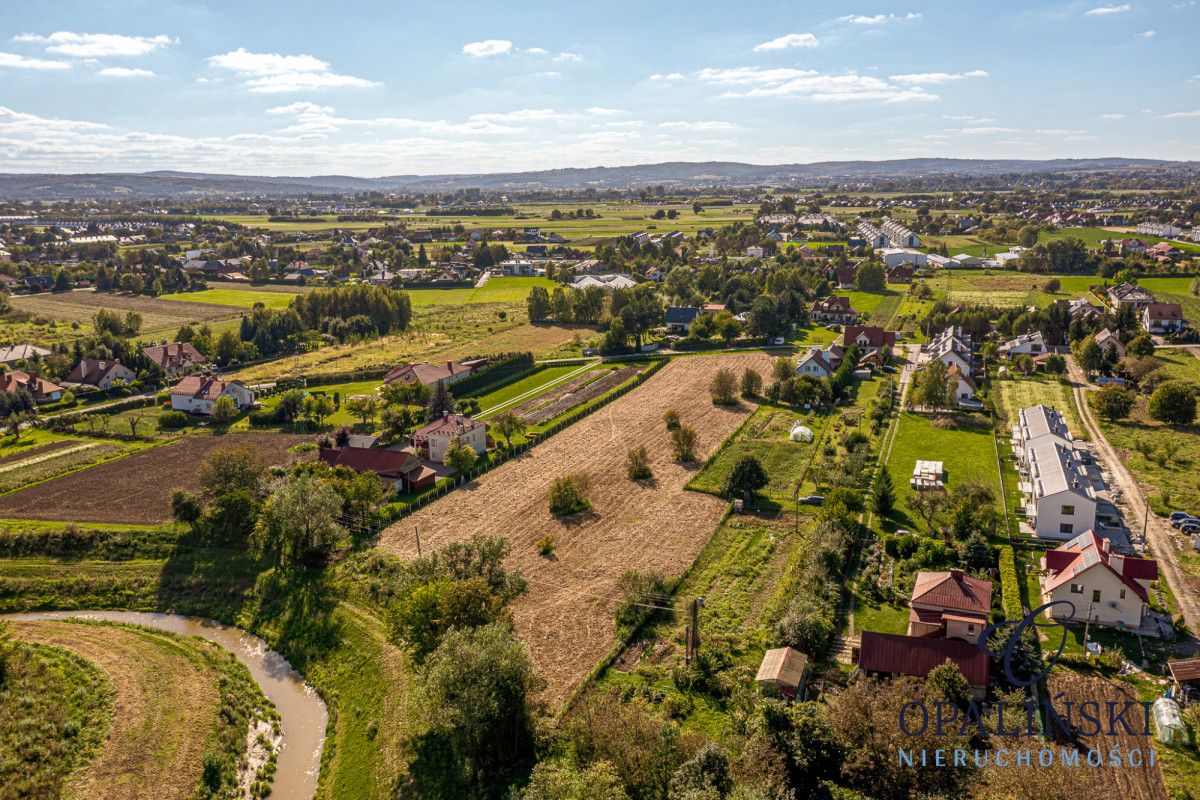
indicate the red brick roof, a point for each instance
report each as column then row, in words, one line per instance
column 389, row 463
column 1070, row 560
column 176, row 354
column 201, row 387
column 876, row 336
column 423, row 373
column 1171, row 311
column 952, row 590
column 918, row 655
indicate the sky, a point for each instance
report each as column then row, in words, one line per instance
column 401, row 88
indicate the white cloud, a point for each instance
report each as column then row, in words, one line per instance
column 708, row 125
column 567, row 57
column 14, row 61
column 16, row 121
column 272, row 73
column 1181, row 114
column 984, row 130
column 670, row 76
column 788, row 82
column 600, row 111
column 1112, row 116
column 520, row 114
column 1147, row 34
column 786, row 41
column 537, row 51
column 1058, row 132
column 1102, row 11
column 300, row 107
column 488, row 47
column 879, row 19
column 98, row 45
column 125, row 72
column 931, row 78
column 968, row 118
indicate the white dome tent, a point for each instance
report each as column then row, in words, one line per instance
column 801, row 433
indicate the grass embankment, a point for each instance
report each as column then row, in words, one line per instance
column 180, row 710
column 55, row 709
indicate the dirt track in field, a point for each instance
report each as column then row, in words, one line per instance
column 567, row 617
column 137, row 488
column 165, row 703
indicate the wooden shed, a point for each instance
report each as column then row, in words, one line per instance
column 782, row 672
column 1185, row 672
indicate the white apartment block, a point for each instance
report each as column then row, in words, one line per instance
column 1159, row 229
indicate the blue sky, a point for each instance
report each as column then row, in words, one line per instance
column 379, row 88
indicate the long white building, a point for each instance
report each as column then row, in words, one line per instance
column 889, row 233
column 1060, row 494
column 1159, row 229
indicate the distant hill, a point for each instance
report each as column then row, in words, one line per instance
column 675, row 175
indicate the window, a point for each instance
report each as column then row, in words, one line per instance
column 1066, row 527
column 1122, row 594
column 970, row 628
column 1068, row 511
column 1095, row 595
column 1076, row 588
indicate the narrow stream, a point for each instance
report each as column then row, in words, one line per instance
column 302, row 714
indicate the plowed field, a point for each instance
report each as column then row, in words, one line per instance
column 567, row 617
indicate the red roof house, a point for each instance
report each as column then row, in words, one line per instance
column 407, row 471
column 868, row 337
column 892, row 654
column 1107, row 587
column 950, row 605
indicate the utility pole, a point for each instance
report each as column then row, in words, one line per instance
column 1086, row 627
column 692, row 632
column 1145, row 521
column 417, row 531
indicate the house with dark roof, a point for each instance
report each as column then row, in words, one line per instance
column 22, row 352
column 869, row 338
column 1100, row 585
column 891, row 654
column 1163, row 318
column 175, row 358
column 833, row 309
column 403, row 469
column 949, row 605
column 679, row 319
column 901, row 273
column 1129, row 294
column 99, row 373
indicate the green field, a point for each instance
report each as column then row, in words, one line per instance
column 966, row 450
column 514, row 394
column 241, row 298
column 497, row 290
column 1017, row 393
column 1093, row 236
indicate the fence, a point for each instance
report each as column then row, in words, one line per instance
column 399, row 510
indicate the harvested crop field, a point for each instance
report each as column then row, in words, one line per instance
column 567, row 617
column 13, row 460
column 165, row 700
column 137, row 488
column 156, row 312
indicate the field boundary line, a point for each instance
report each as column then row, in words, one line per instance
column 533, row 392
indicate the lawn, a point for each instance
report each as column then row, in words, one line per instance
column 1180, row 364
column 515, row 393
column 497, row 290
column 241, row 298
column 1163, row 458
column 1093, row 236
column 1017, row 393
column 965, row 447
column 764, row 435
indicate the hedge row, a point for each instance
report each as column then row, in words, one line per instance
column 1009, row 587
column 501, row 369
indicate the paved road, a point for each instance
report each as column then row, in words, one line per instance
column 1159, row 534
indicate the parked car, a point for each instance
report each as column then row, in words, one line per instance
column 1178, row 515
column 778, row 340
column 1190, row 527
column 1179, row 523
column 812, row 500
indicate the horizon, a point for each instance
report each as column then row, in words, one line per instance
column 432, row 90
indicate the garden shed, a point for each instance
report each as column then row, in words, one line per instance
column 782, row 672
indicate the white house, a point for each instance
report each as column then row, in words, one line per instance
column 952, row 347
column 1163, row 318
column 754, row 251
column 1037, row 425
column 1027, row 343
column 603, row 281
column 1060, row 501
column 197, row 394
column 1103, row 586
column 434, row 439
column 1159, row 229
column 819, row 363
column 99, row 372
column 1110, row 340
column 964, row 387
column 895, row 256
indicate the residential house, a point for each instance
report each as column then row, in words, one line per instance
column 43, row 391
column 1103, row 586
column 654, row 274
column 869, row 338
column 845, row 277
column 1033, row 344
column 22, row 352
column 818, row 363
column 198, row 394
column 754, row 251
column 1110, row 340
column 964, row 387
column 175, row 358
column 1163, row 318
column 1129, row 294
column 872, row 235
column 712, row 308
column 892, row 655
column 949, row 605
column 833, row 309
column 1163, row 251
column 1060, row 498
column 100, row 373
column 404, row 469
column 953, row 348
column 895, row 256
column 603, row 281
column 901, row 273
column 898, row 235
column 39, row 283
column 429, row 374
column 1159, row 229
column 518, row 267
column 679, row 319
column 1131, row 247
column 434, row 439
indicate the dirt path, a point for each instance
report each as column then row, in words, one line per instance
column 653, row 526
column 1136, row 510
column 165, row 704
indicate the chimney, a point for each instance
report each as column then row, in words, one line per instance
column 446, row 415
column 1117, row 562
column 957, row 574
